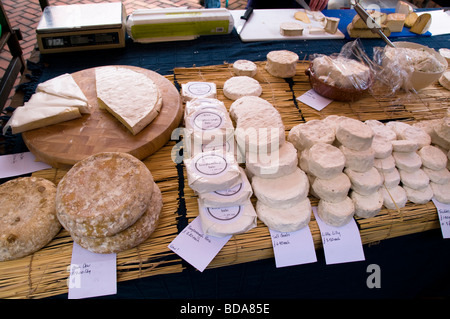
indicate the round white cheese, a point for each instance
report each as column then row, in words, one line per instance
column 366, row 182
column 282, row 63
column 433, row 157
column 415, row 134
column 285, row 219
column 404, row 146
column 354, row 134
column 225, row 221
column 275, row 164
column 336, row 214
column 367, row 206
column 384, row 165
column 415, row 179
column 281, row 192
column 203, row 103
column 419, row 196
column 249, row 105
column 324, row 160
column 331, row 190
column 212, row 171
column 441, row 192
column 305, row 135
column 245, row 68
column 234, row 196
column 391, row 178
column 444, row 80
column 381, row 130
column 394, row 198
column 239, row 86
column 409, row 161
column 358, row 161
column 441, row 176
column 192, row 90
column 381, row 146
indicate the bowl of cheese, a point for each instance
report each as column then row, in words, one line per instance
column 419, row 65
column 339, row 78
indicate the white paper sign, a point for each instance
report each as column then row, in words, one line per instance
column 92, row 274
column 293, row 248
column 341, row 244
column 195, row 247
column 443, row 211
column 315, row 100
column 19, row 164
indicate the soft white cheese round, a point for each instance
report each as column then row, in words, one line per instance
column 332, row 190
column 394, row 198
column 281, row 192
column 384, row 165
column 433, row 157
column 192, row 90
column 381, row 146
column 419, row 196
column 441, row 176
column 441, row 192
column 324, row 160
column 354, row 134
column 282, row 63
column 366, row 182
column 381, row 130
column 404, row 146
column 245, row 68
column 336, row 214
column 285, row 219
column 415, row 134
column 391, row 178
column 305, row 135
column 359, row 161
column 367, row 206
column 414, row 179
column 239, row 86
column 409, row 161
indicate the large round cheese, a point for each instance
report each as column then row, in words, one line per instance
column 130, row 237
column 282, row 63
column 441, row 192
column 281, row 192
column 394, row 198
column 408, row 161
column 419, row 196
column 367, row 206
column 331, row 190
column 366, row 182
column 324, row 160
column 239, row 86
column 359, row 161
column 433, row 157
column 438, row 176
column 103, row 194
column 414, row 179
column 285, row 219
column 28, row 219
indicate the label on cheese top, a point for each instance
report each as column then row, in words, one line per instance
column 207, row 120
column 224, row 214
column 231, row 191
column 210, row 164
column 200, row 88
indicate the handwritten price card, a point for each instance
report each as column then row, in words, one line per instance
column 19, row 164
column 91, row 274
column 314, row 100
column 195, row 247
column 443, row 211
column 293, row 248
column 340, row 244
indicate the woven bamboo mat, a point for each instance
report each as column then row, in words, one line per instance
column 45, row 272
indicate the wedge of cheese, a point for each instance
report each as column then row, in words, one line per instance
column 131, row 97
column 63, row 86
column 46, row 99
column 29, row 118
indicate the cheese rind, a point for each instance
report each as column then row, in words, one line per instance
column 245, row 67
column 419, row 196
column 135, row 103
column 354, row 134
column 40, row 99
column 331, row 190
column 394, row 198
column 239, row 86
column 336, row 214
column 367, row 206
column 63, row 85
column 422, row 24
column 282, row 63
column 324, row 160
column 364, row 183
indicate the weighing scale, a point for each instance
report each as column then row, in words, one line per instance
column 78, row 27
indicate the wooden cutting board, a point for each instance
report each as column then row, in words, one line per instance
column 62, row 145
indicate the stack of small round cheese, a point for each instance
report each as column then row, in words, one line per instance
column 108, row 202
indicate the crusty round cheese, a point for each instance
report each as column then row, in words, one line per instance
column 384, row 165
column 282, row 63
column 130, row 237
column 336, row 214
column 441, row 192
column 381, row 130
column 441, row 176
column 404, row 146
column 305, row 135
column 354, row 134
column 409, row 161
column 324, row 160
column 103, row 194
column 281, row 192
column 367, row 206
column 28, row 219
column 332, row 190
column 239, row 86
column 275, row 164
column 397, row 127
column 444, row 80
column 391, row 178
column 381, row 146
column 433, row 157
column 419, row 196
column 395, row 197
column 415, row 134
column 414, row 179
column 366, row 182
column 359, row 161
column 245, row 68
column 285, row 219
column 248, row 105
column 193, row 90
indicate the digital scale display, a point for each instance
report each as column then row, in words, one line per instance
column 80, row 40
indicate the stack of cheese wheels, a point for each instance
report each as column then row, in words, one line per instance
column 413, row 179
column 28, row 219
column 109, row 202
column 215, row 176
column 355, row 139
